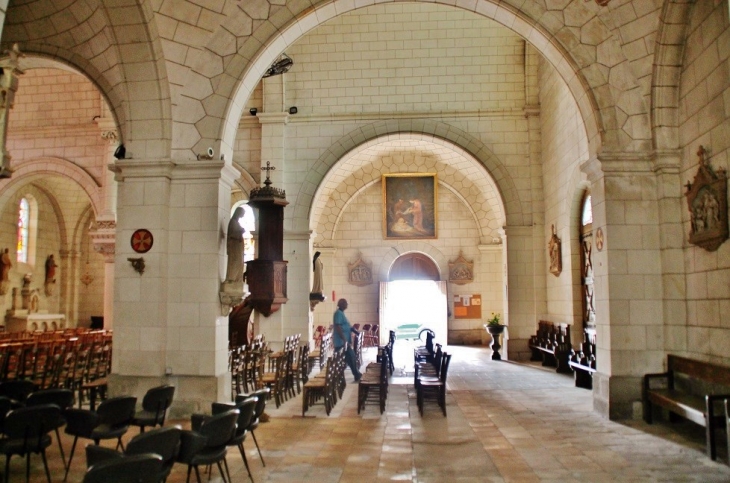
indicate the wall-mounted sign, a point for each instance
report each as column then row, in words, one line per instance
column 141, row 240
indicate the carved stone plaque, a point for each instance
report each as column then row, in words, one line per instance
column 360, row 272
column 707, row 204
column 461, row 270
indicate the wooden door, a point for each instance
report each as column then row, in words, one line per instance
column 414, row 266
column 586, row 258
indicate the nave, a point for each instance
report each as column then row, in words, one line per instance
column 506, row 422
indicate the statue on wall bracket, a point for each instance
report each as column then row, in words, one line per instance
column 360, row 272
column 707, row 204
column 461, row 270
column 554, row 251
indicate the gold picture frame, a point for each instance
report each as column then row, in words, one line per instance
column 410, row 206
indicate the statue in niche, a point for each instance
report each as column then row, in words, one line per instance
column 50, row 275
column 707, row 204
column 234, row 248
column 556, row 262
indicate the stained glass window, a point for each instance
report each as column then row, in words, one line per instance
column 587, row 215
column 23, row 231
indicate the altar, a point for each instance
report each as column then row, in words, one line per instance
column 28, row 317
column 19, row 321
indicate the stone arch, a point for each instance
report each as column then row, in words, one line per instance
column 506, row 205
column 118, row 75
column 38, row 168
column 589, row 83
column 408, row 247
column 666, row 74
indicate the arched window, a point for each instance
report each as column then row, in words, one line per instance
column 23, row 230
column 586, row 217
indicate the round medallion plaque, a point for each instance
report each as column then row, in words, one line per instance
column 141, row 241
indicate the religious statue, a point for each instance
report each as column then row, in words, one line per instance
column 50, row 269
column 50, row 274
column 317, row 284
column 5, row 266
column 556, row 262
column 234, row 248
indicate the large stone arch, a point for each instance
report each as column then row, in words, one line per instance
column 596, row 89
column 38, row 168
column 126, row 62
column 486, row 173
column 667, row 72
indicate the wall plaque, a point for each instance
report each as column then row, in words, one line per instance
column 461, row 270
column 360, row 272
column 707, row 204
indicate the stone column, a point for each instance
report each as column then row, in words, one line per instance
column 169, row 326
column 103, row 234
column 628, row 280
column 273, row 130
column 521, row 244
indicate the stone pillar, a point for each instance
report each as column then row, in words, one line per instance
column 522, row 243
column 491, row 274
column 169, row 326
column 103, row 234
column 628, row 280
column 273, row 130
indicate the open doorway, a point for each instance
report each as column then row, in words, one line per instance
column 411, row 306
column 414, row 299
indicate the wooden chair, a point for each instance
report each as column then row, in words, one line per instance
column 373, row 386
column 433, row 388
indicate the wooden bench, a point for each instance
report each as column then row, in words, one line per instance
column 552, row 346
column 583, row 361
column 692, row 389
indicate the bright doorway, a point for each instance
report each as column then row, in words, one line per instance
column 410, row 306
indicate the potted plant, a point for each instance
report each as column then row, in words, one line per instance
column 495, row 328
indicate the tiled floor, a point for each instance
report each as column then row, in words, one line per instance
column 506, row 422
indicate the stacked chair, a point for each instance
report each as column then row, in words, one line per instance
column 373, row 385
column 430, row 378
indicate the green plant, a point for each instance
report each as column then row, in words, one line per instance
column 494, row 320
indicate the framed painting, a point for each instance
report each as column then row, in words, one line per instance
column 409, row 206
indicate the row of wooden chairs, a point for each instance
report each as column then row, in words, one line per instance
column 321, row 352
column 328, row 385
column 246, row 365
column 373, row 385
column 287, row 368
column 430, row 377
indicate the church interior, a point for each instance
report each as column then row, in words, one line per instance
column 551, row 160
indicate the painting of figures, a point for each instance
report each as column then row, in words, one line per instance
column 409, row 205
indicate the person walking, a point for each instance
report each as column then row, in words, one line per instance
column 341, row 337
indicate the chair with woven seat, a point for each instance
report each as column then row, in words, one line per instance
column 63, row 398
column 26, row 431
column 164, row 442
column 206, row 443
column 155, row 403
column 143, row 468
column 111, row 420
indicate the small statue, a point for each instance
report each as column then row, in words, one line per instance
column 234, row 248
column 50, row 269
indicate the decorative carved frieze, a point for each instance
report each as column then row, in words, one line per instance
column 707, row 204
column 103, row 236
column 461, row 270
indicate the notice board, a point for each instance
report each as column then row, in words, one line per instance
column 468, row 306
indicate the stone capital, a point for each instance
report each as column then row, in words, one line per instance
column 194, row 169
column 103, row 237
column 273, row 117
